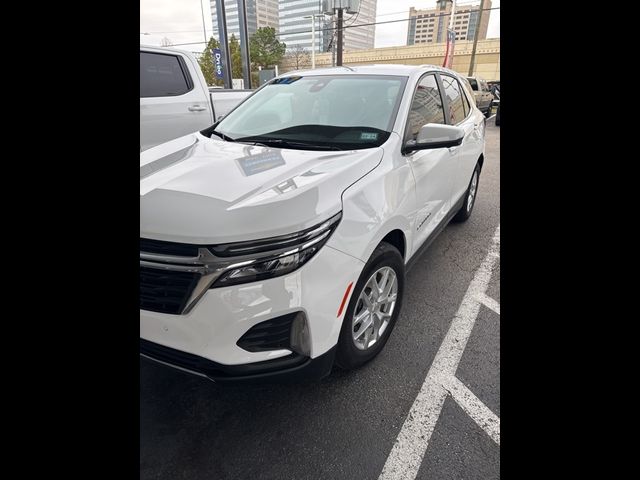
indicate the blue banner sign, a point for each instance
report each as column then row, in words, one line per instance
column 217, row 61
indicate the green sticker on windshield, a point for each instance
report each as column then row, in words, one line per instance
column 368, row 136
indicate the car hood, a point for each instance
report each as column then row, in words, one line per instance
column 200, row 190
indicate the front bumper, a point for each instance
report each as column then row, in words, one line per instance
column 290, row 368
column 211, row 330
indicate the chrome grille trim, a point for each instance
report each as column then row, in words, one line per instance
column 211, row 267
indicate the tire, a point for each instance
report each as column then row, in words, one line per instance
column 498, row 117
column 349, row 355
column 465, row 211
column 488, row 112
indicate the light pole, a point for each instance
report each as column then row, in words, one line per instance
column 313, row 37
column 204, row 29
column 453, row 11
column 475, row 39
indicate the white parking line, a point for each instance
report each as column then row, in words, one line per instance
column 489, row 302
column 485, row 418
column 412, row 442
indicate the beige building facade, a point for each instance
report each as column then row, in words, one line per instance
column 430, row 25
column 487, row 63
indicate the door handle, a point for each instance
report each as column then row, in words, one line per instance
column 197, row 108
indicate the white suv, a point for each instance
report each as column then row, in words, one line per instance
column 276, row 241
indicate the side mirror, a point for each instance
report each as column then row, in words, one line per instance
column 435, row 135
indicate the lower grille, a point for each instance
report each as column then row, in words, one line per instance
column 271, row 334
column 165, row 291
column 215, row 370
column 168, row 248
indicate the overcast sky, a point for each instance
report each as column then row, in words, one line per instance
column 181, row 21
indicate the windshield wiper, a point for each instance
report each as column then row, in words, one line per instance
column 224, row 137
column 282, row 143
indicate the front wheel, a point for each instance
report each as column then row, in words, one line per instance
column 373, row 309
column 470, row 198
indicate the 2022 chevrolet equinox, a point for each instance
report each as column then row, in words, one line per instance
column 275, row 242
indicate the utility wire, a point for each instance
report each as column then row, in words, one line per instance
column 344, row 27
column 473, row 2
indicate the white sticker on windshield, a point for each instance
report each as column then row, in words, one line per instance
column 368, row 136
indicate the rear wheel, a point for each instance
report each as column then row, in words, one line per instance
column 373, row 309
column 488, row 112
column 470, row 198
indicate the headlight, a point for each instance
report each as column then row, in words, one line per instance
column 273, row 257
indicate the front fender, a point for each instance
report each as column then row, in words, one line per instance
column 382, row 201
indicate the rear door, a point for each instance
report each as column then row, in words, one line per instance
column 433, row 169
column 471, row 121
column 172, row 102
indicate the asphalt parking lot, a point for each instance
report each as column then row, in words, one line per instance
column 427, row 407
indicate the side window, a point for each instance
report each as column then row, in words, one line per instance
column 467, row 94
column 426, row 107
column 473, row 83
column 453, row 92
column 465, row 101
column 161, row 75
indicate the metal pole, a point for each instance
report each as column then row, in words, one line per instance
column 224, row 44
column 453, row 11
column 333, row 43
column 313, row 42
column 475, row 40
column 244, row 43
column 339, row 54
column 204, row 28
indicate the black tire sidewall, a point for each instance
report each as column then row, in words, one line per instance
column 463, row 214
column 348, row 356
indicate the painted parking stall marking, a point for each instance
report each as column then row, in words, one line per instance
column 411, row 444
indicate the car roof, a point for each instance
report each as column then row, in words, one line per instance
column 158, row 48
column 379, row 69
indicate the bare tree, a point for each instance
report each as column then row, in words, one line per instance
column 166, row 42
column 299, row 57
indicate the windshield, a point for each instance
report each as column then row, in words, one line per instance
column 330, row 111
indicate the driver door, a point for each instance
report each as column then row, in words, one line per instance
column 433, row 169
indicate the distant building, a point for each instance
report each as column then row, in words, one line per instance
column 430, row 25
column 267, row 13
column 295, row 30
column 260, row 13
